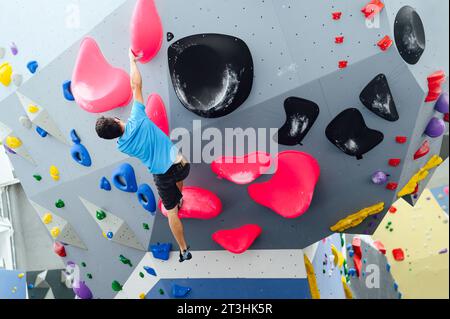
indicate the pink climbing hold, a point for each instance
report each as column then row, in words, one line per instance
column 379, row 245
column 146, row 31
column 198, row 203
column 290, row 191
column 156, row 112
column 239, row 240
column 242, row 170
column 96, row 85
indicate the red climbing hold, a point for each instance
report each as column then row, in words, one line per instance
column 385, row 43
column 237, row 240
column 356, row 245
column 379, row 245
column 398, row 254
column 339, row 40
column 198, row 203
column 242, row 170
column 290, row 191
column 446, row 117
column 59, row 249
column 401, row 139
column 146, row 30
column 96, row 85
column 422, row 151
column 343, row 64
column 392, row 186
column 394, row 162
column 393, row 210
column 372, row 8
column 435, row 82
column 156, row 111
column 337, row 15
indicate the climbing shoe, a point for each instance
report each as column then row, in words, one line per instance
column 185, row 255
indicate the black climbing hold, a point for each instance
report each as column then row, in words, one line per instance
column 170, row 36
column 378, row 98
column 349, row 133
column 301, row 115
column 409, row 35
column 212, row 74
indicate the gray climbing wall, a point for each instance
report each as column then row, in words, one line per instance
column 292, row 43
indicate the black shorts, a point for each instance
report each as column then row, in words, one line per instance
column 167, row 184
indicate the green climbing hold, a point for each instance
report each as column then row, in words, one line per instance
column 60, row 203
column 323, row 271
column 89, row 276
column 101, row 215
column 116, row 286
column 146, row 226
column 125, row 260
column 83, row 264
column 161, row 292
column 37, row 177
column 342, row 240
column 141, row 274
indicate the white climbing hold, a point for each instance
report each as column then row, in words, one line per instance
column 25, row 121
column 59, row 228
column 17, row 79
column 39, row 116
column 112, row 224
column 2, row 53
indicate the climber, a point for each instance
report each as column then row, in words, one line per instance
column 142, row 139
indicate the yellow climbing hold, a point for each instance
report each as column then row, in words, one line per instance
column 422, row 174
column 21, row 275
column 315, row 294
column 33, row 109
column 13, row 142
column 47, row 219
column 347, row 290
column 357, row 218
column 338, row 256
column 54, row 173
column 142, row 296
column 55, row 232
column 104, row 235
column 6, row 73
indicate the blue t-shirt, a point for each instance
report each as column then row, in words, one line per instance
column 144, row 140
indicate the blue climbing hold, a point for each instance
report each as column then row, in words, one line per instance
column 81, row 155
column 125, row 179
column 351, row 253
column 147, row 198
column 161, row 251
column 150, row 270
column 67, row 91
column 105, row 184
column 74, row 137
column 395, row 286
column 388, row 267
column 110, row 235
column 32, row 66
column 180, row 291
column 349, row 246
column 352, row 272
column 30, row 286
column 41, row 132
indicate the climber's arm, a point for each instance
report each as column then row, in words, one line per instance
column 136, row 79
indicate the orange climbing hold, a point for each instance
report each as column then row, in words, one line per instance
column 373, row 8
column 239, row 240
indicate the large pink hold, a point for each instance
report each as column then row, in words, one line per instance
column 290, row 191
column 198, row 203
column 146, row 31
column 242, row 170
column 96, row 85
column 239, row 240
column 156, row 112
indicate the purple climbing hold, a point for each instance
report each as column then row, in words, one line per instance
column 442, row 104
column 379, row 178
column 82, row 290
column 435, row 128
column 105, row 184
column 14, row 49
column 9, row 150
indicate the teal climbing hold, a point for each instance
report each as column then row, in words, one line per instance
column 180, row 291
column 105, row 184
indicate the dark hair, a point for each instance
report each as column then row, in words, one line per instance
column 108, row 128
